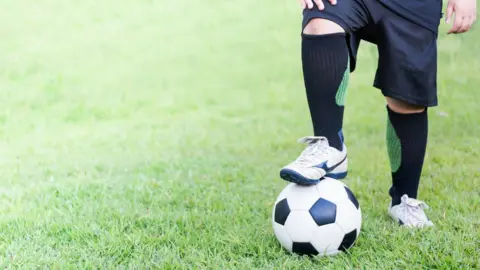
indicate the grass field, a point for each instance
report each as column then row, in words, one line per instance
column 149, row 134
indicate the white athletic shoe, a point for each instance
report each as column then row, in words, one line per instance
column 318, row 160
column 410, row 213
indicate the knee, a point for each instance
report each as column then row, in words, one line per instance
column 319, row 26
column 403, row 107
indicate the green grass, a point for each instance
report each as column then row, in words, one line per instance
column 149, row 134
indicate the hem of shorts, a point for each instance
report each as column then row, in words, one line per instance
column 413, row 101
column 321, row 15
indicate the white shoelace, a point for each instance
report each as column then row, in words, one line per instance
column 317, row 147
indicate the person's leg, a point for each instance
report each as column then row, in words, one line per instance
column 406, row 75
column 326, row 65
column 325, row 62
column 407, row 132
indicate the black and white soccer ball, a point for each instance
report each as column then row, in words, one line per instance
column 323, row 219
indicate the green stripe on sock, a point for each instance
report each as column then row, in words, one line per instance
column 342, row 89
column 394, row 148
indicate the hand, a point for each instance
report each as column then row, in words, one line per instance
column 321, row 6
column 465, row 15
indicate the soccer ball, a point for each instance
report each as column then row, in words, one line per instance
column 322, row 219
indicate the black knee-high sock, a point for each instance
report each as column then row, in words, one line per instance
column 325, row 62
column 406, row 142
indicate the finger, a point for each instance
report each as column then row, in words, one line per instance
column 320, row 4
column 333, row 2
column 457, row 24
column 465, row 25
column 309, row 4
column 449, row 13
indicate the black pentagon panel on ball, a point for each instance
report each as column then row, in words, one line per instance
column 304, row 249
column 352, row 198
column 323, row 212
column 348, row 240
column 282, row 210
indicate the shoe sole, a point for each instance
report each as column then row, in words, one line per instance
column 335, row 172
column 294, row 177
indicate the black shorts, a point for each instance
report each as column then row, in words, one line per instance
column 407, row 63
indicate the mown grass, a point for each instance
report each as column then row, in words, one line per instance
column 149, row 134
